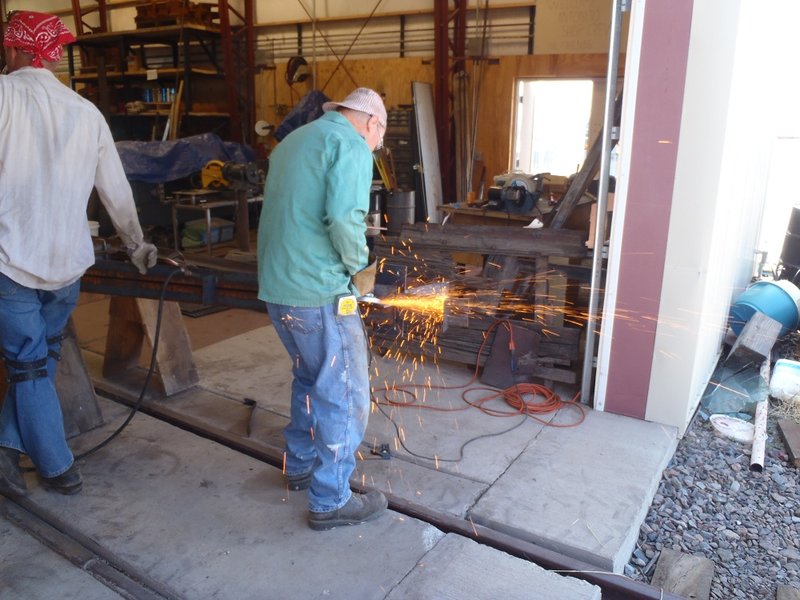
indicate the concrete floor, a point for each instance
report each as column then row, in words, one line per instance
column 185, row 517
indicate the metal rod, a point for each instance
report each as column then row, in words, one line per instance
column 602, row 201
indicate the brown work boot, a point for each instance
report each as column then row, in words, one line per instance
column 68, row 483
column 359, row 509
column 11, row 480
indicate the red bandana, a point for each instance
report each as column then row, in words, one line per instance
column 39, row 34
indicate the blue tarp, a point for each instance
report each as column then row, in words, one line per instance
column 159, row 162
column 308, row 109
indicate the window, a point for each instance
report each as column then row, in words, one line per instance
column 552, row 125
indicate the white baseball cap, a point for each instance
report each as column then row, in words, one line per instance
column 363, row 100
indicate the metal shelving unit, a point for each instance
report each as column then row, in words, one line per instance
column 213, row 60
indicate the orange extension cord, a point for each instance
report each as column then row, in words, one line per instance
column 514, row 396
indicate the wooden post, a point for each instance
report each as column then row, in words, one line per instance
column 134, row 319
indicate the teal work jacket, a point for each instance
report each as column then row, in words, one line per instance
column 311, row 233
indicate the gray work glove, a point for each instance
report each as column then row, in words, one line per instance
column 143, row 256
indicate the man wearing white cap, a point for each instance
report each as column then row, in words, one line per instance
column 54, row 148
column 311, row 242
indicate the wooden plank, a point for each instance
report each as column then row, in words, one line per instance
column 495, row 240
column 75, row 388
column 683, row 574
column 133, row 320
column 176, row 366
column 124, row 339
column 580, row 183
column 757, row 338
column 790, row 432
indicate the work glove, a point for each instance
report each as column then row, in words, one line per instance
column 143, row 256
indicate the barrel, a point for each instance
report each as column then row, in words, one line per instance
column 779, row 300
column 400, row 208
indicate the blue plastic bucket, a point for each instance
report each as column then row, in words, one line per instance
column 776, row 299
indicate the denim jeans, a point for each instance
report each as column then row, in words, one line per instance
column 31, row 420
column 330, row 397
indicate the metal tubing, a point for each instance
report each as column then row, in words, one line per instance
column 602, row 201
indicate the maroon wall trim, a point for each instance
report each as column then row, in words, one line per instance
column 653, row 151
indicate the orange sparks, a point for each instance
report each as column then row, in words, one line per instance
column 429, row 304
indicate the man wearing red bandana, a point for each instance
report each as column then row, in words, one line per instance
column 55, row 147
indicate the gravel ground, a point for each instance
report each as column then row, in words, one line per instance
column 710, row 504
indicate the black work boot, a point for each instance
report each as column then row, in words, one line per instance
column 69, row 482
column 359, row 509
column 11, row 480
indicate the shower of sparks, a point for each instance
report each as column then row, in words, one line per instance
column 432, row 305
column 427, row 321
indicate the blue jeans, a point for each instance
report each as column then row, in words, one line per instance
column 330, row 397
column 31, row 420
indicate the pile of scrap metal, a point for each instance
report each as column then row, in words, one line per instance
column 513, row 285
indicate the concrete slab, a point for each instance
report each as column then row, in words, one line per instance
column 208, row 522
column 433, row 489
column 443, row 432
column 457, row 568
column 28, row 569
column 250, row 365
column 582, row 491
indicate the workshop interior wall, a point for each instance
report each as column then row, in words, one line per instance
column 392, row 77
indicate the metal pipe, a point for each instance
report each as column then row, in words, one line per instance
column 602, row 200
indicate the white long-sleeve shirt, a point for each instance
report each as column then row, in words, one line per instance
column 54, row 147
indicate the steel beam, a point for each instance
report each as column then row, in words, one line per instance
column 449, row 43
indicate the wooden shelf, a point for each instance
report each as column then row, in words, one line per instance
column 163, row 73
column 165, row 114
column 150, row 35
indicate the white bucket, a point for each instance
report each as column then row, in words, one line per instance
column 94, row 228
column 784, row 385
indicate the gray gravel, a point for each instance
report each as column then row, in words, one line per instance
column 710, row 504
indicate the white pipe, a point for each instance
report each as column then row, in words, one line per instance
column 760, row 432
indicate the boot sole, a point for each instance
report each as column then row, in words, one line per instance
column 66, row 490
